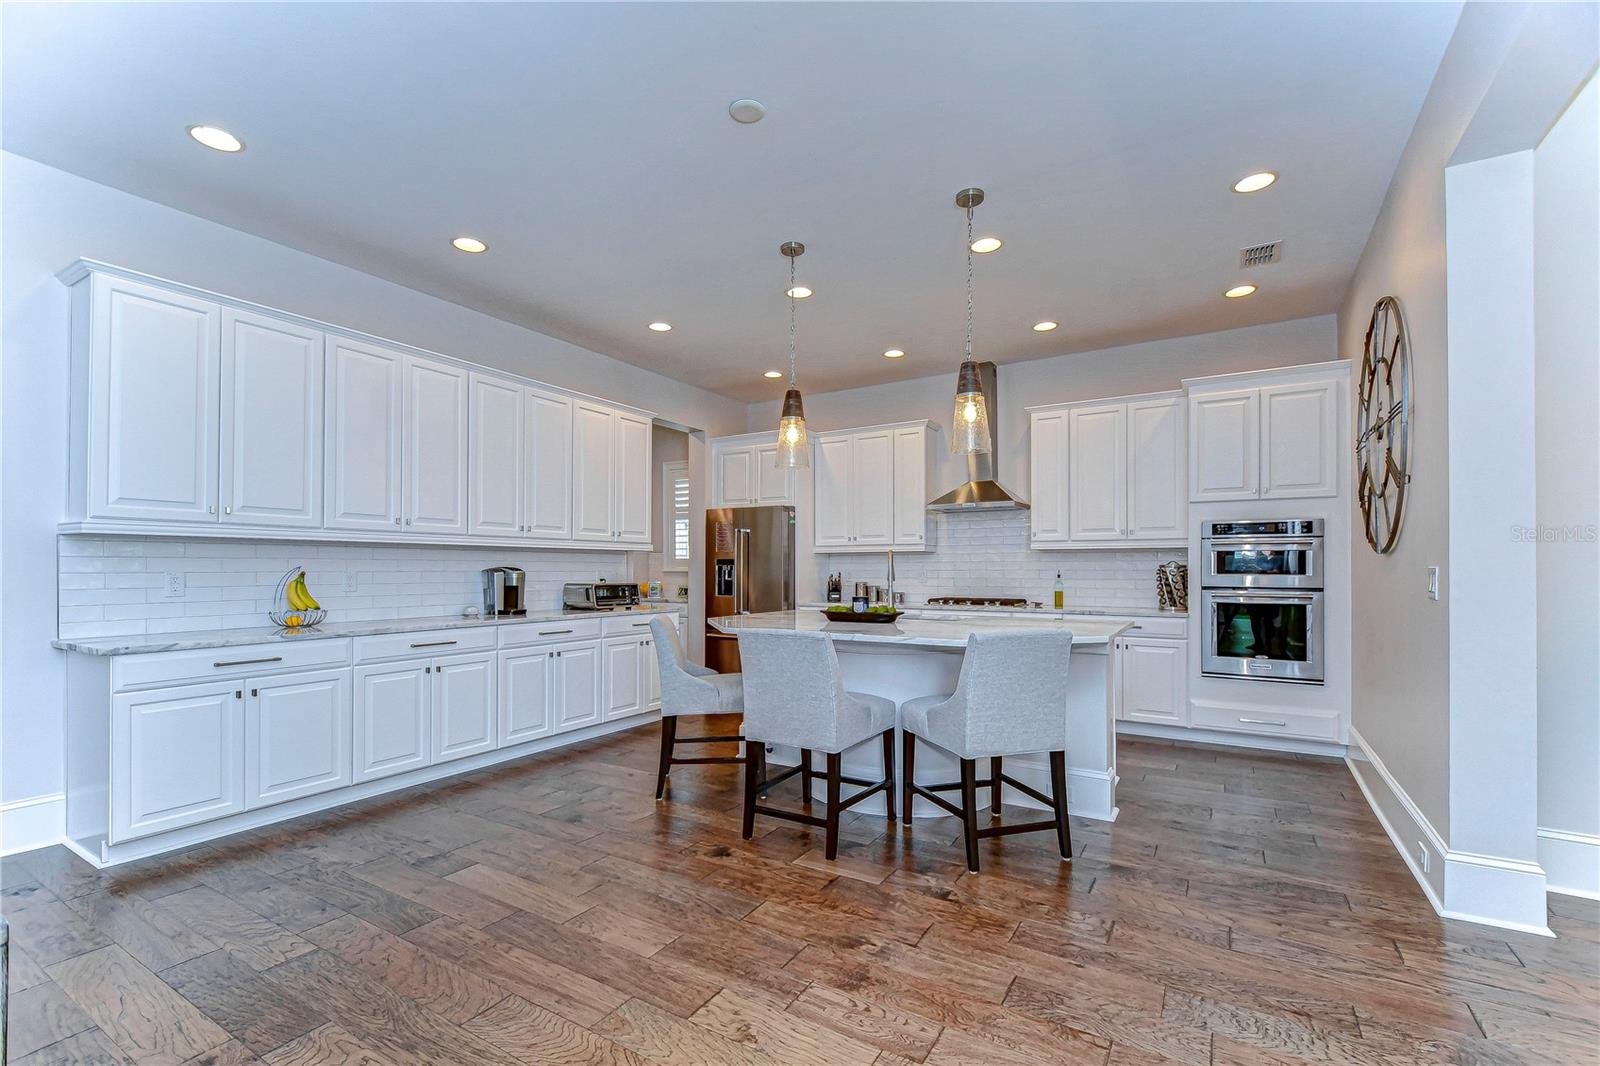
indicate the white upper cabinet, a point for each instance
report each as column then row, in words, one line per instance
column 611, row 475
column 1278, row 438
column 150, row 410
column 1224, row 445
column 1108, row 473
column 365, row 421
column 871, row 488
column 498, row 457
column 547, row 496
column 1299, row 440
column 745, row 473
column 1097, row 462
column 632, row 478
column 271, row 436
column 435, row 447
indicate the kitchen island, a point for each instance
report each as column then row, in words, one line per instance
column 922, row 656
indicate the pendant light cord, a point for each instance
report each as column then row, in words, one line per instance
column 969, row 284
column 791, row 322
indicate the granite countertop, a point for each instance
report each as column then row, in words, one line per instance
column 916, row 632
column 226, row 638
column 1043, row 612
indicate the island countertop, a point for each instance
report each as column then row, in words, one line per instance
column 917, row 632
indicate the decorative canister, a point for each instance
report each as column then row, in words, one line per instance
column 1172, row 586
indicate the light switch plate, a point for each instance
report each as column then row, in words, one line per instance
column 1433, row 582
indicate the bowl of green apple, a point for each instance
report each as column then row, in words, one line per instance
column 880, row 612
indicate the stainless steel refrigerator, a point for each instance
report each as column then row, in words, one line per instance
column 749, row 569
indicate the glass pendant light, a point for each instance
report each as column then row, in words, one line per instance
column 969, row 425
column 794, row 448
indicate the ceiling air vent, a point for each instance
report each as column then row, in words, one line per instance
column 1261, row 254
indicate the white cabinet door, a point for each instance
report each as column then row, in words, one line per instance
column 872, row 498
column 624, row 694
column 834, row 478
column 774, row 485
column 576, row 694
column 650, row 674
column 153, row 426
column 497, row 458
column 436, row 447
column 910, row 486
column 177, row 758
column 736, row 482
column 526, row 689
column 365, row 421
column 271, row 435
column 593, row 462
column 392, row 725
column 1154, row 682
column 297, row 736
column 1048, row 477
column 1097, row 478
column 464, row 709
column 1224, row 445
column 632, row 480
column 1158, row 497
column 1299, row 440
column 547, row 499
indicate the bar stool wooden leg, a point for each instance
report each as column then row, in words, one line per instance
column 994, row 785
column 908, row 758
column 969, row 808
column 669, row 737
column 752, row 769
column 888, row 772
column 805, row 776
column 832, row 828
column 1058, row 792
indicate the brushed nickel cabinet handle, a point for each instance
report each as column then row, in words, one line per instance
column 1262, row 721
column 248, row 662
column 553, row 632
column 434, row 644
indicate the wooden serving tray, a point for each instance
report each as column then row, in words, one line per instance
column 847, row 615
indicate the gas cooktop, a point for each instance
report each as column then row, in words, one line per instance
column 985, row 601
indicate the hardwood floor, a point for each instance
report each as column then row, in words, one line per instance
column 1245, row 908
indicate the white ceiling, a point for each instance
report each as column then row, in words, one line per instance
column 590, row 145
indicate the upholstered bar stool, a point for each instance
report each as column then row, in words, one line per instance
column 794, row 694
column 1009, row 700
column 689, row 689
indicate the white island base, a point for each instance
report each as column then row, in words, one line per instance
column 919, row 658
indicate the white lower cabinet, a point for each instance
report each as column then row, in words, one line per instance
column 297, row 736
column 576, row 685
column 624, row 683
column 180, row 757
column 527, row 682
column 464, row 709
column 392, row 730
column 1154, row 681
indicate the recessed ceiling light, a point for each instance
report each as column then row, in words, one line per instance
column 747, row 111
column 661, row 327
column 216, row 137
column 987, row 244
column 1255, row 182
column 1044, row 327
column 799, row 292
column 469, row 244
column 1239, row 290
column 773, row 374
column 894, row 353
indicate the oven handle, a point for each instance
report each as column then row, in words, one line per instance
column 1261, row 597
column 1261, row 542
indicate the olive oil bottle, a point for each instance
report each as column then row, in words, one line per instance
column 1061, row 592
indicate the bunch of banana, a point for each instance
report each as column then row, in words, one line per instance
column 299, row 597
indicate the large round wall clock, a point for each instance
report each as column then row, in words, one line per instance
column 1383, row 425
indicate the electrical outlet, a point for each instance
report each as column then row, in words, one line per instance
column 1433, row 583
column 349, row 582
column 1422, row 856
column 172, row 584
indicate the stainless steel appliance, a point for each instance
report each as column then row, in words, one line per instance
column 1016, row 602
column 505, row 591
column 749, row 569
column 1284, row 553
column 981, row 492
column 1261, row 600
column 598, row 595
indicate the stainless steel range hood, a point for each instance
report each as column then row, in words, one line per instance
column 981, row 492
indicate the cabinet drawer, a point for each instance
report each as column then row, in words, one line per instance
column 1173, row 628
column 424, row 643
column 636, row 624
column 138, row 671
column 1265, row 722
column 523, row 634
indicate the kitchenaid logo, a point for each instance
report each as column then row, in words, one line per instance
column 1542, row 534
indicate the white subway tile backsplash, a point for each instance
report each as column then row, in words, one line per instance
column 113, row 586
column 988, row 554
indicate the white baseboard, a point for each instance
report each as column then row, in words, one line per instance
column 1483, row 889
column 1571, row 862
column 1225, row 739
column 32, row 823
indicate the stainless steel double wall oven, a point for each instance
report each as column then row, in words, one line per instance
column 1261, row 587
